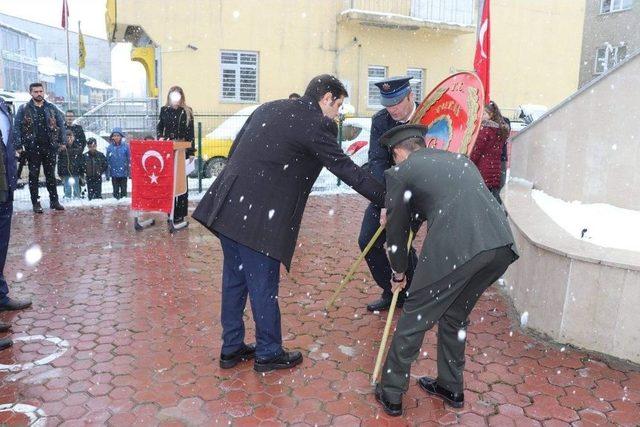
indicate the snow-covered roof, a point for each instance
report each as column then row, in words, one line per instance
column 48, row 66
column 17, row 30
column 97, row 84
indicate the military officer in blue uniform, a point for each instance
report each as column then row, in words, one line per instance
column 400, row 106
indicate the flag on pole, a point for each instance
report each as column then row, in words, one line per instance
column 482, row 58
column 65, row 14
column 82, row 51
column 152, row 175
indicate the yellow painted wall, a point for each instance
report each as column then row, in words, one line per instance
column 535, row 47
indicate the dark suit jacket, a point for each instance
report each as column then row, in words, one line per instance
column 259, row 198
column 9, row 153
column 446, row 190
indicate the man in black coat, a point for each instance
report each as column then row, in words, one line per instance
column 7, row 186
column 39, row 130
column 255, row 207
column 468, row 246
column 399, row 102
column 79, row 137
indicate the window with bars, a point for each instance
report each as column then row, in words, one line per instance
column 608, row 6
column 417, row 82
column 608, row 57
column 239, row 76
column 375, row 74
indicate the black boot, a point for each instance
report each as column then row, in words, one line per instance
column 56, row 206
column 286, row 360
column 431, row 386
column 393, row 409
column 37, row 208
column 247, row 352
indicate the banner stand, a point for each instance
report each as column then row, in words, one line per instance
column 179, row 188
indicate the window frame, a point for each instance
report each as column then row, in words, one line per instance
column 237, row 68
column 371, row 81
column 613, row 8
column 422, row 85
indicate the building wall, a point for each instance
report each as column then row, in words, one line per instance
column 18, row 60
column 297, row 40
column 52, row 43
column 612, row 28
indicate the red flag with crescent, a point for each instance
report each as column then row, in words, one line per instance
column 481, row 62
column 152, row 175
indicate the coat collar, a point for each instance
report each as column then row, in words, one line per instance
column 312, row 103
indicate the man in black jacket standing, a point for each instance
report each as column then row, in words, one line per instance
column 7, row 186
column 255, row 207
column 78, row 133
column 39, row 130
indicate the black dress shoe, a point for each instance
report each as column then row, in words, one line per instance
column 57, row 206
column 431, row 386
column 37, row 208
column 288, row 359
column 15, row 304
column 380, row 305
column 5, row 343
column 4, row 327
column 393, row 409
column 247, row 352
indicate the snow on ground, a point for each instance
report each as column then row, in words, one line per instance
column 326, row 184
column 605, row 225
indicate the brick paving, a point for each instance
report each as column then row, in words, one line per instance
column 135, row 318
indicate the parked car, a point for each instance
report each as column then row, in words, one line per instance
column 216, row 144
column 356, row 133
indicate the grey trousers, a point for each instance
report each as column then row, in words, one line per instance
column 447, row 302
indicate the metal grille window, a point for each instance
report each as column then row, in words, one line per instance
column 375, row 74
column 608, row 6
column 417, row 82
column 609, row 56
column 239, row 76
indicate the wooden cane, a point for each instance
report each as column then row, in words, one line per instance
column 347, row 278
column 387, row 326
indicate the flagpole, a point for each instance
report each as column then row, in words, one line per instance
column 68, row 68
column 79, row 93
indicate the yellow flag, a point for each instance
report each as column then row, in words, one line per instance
column 82, row 51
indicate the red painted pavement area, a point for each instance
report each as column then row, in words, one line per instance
column 140, row 314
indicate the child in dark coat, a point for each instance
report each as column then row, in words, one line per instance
column 95, row 164
column 70, row 166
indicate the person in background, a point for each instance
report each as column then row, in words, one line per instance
column 94, row 164
column 176, row 124
column 294, row 96
column 487, row 152
column 78, row 132
column 39, row 130
column 7, row 186
column 70, row 167
column 118, row 159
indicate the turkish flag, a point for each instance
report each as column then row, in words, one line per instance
column 65, row 14
column 152, row 175
column 483, row 48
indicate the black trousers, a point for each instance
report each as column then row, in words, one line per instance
column 448, row 303
column 94, row 187
column 119, row 187
column 377, row 257
column 180, row 207
column 45, row 157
